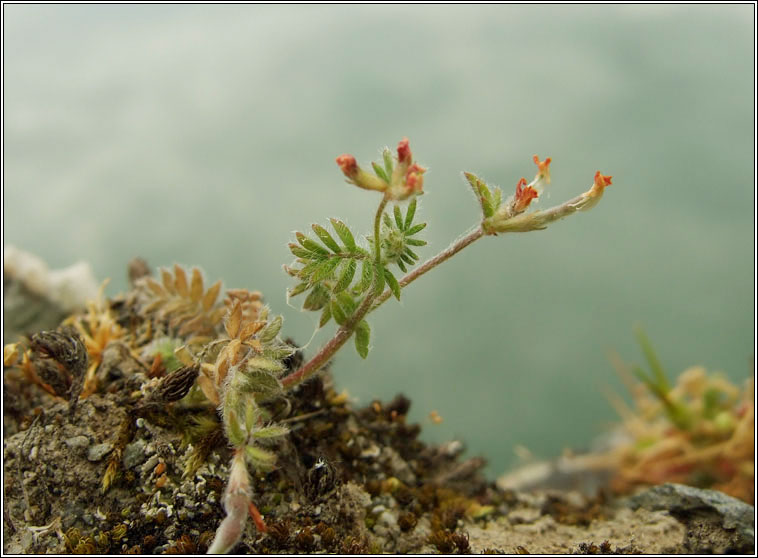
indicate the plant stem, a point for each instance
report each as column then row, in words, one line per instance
column 431, row 263
column 344, row 332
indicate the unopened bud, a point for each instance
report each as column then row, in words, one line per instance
column 348, row 165
column 404, row 154
column 356, row 175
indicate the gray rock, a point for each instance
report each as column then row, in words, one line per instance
column 134, row 454
column 77, row 442
column 98, row 451
column 715, row 522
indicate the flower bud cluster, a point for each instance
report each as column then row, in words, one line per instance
column 510, row 217
column 397, row 181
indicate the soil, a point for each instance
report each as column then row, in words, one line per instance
column 349, row 481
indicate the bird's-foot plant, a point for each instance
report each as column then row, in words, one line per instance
column 345, row 278
column 231, row 359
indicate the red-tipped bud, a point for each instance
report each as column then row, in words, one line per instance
column 524, row 196
column 349, row 165
column 414, row 179
column 404, row 154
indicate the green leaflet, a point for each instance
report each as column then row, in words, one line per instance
column 380, row 172
column 309, row 244
column 392, row 282
column 362, row 336
column 344, row 233
column 398, row 218
column 346, row 277
column 367, row 276
column 317, row 298
column 388, row 162
column 272, row 431
column 415, row 229
column 326, row 238
column 301, row 252
column 409, row 216
column 298, row 289
column 234, row 429
column 325, row 270
column 482, row 192
column 337, row 312
column 326, row 315
column 260, row 458
column 271, row 330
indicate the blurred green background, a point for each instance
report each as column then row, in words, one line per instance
column 205, row 135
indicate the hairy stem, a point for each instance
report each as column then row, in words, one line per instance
column 345, row 331
column 431, row 263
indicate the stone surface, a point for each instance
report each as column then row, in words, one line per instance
column 715, row 521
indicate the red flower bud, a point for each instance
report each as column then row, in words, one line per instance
column 414, row 178
column 404, row 152
column 349, row 165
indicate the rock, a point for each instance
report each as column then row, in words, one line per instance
column 38, row 298
column 77, row 442
column 134, row 454
column 716, row 522
column 98, row 451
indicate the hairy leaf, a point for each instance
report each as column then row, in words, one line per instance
column 415, row 229
column 344, row 233
column 388, row 163
column 367, row 275
column 326, row 238
column 326, row 315
column 362, row 336
column 260, row 458
column 309, row 244
column 380, row 171
column 299, row 288
column 273, row 431
column 398, row 218
column 409, row 214
column 317, row 298
column 346, row 277
column 392, row 282
column 325, row 270
column 301, row 252
column 338, row 313
column 271, row 330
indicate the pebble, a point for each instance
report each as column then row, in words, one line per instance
column 77, row 442
column 150, row 464
column 134, row 454
column 98, row 451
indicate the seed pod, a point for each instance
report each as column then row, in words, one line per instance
column 177, row 384
column 66, row 348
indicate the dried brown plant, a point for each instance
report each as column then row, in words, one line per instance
column 186, row 305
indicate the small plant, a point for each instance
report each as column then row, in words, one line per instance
column 230, row 356
column 697, row 432
column 327, row 272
